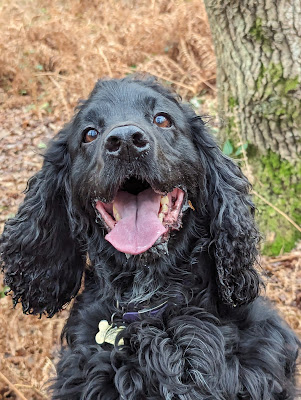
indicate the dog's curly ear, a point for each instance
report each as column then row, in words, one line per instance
column 233, row 233
column 41, row 259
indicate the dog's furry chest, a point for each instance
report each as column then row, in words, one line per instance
column 184, row 350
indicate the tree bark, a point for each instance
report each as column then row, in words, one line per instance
column 258, row 51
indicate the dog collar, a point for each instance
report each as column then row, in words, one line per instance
column 107, row 333
column 133, row 316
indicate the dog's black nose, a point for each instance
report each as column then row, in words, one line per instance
column 126, row 142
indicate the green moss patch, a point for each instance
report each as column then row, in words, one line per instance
column 270, row 81
column 279, row 182
column 258, row 32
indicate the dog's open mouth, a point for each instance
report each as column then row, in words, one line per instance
column 138, row 216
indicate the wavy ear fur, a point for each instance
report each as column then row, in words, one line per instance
column 41, row 259
column 234, row 236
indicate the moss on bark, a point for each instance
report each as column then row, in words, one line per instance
column 279, row 182
column 274, row 98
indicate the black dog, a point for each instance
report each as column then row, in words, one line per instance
column 136, row 192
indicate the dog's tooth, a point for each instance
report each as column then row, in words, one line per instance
column 164, row 200
column 161, row 216
column 115, row 213
column 164, row 208
column 190, row 205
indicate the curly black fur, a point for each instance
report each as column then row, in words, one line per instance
column 216, row 339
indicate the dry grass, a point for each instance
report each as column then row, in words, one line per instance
column 53, row 51
column 28, row 346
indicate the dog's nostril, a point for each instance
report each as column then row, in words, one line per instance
column 139, row 140
column 113, row 143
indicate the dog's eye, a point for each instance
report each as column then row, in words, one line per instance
column 162, row 120
column 90, row 134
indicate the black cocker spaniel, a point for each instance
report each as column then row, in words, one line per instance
column 135, row 194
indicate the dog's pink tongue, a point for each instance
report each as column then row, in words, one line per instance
column 139, row 226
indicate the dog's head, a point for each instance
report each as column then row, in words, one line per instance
column 132, row 172
column 133, row 160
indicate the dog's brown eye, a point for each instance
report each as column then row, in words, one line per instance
column 90, row 134
column 162, row 120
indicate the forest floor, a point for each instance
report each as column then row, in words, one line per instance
column 50, row 57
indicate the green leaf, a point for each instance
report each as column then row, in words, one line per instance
column 47, row 107
column 228, row 148
column 240, row 149
column 30, row 107
column 3, row 291
column 44, row 106
column 214, row 130
column 195, row 102
column 42, row 145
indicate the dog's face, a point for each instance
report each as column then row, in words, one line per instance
column 134, row 164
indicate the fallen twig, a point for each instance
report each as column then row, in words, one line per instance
column 12, row 386
column 278, row 210
column 287, row 257
column 106, row 62
column 67, row 109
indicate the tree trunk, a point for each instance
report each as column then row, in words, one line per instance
column 258, row 51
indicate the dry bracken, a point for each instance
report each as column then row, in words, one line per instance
column 52, row 53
